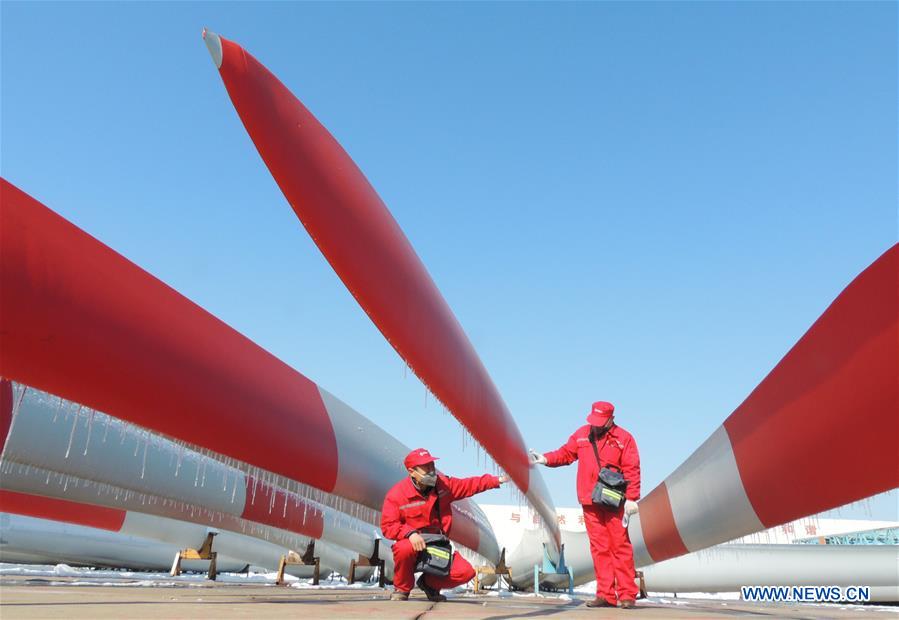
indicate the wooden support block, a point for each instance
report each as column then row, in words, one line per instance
column 498, row 570
column 373, row 560
column 280, row 579
column 213, row 572
column 205, row 552
column 308, row 559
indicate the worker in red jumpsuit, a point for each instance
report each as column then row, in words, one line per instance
column 613, row 556
column 422, row 503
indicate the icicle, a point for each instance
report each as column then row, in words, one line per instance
column 178, row 465
column 90, row 428
column 72, row 434
column 58, row 409
column 197, row 477
column 15, row 409
column 143, row 465
column 105, row 428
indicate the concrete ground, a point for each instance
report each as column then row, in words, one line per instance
column 29, row 597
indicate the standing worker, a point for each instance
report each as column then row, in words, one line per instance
column 603, row 446
column 422, row 504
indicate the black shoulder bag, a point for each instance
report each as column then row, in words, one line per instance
column 437, row 557
column 610, row 487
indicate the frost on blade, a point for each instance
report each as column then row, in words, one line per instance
column 164, row 451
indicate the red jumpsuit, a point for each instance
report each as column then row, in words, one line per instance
column 613, row 556
column 407, row 511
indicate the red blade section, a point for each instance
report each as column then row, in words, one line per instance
column 374, row 259
column 61, row 510
column 659, row 531
column 82, row 322
column 821, row 430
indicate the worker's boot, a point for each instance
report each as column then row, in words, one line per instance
column 432, row 593
column 600, row 602
column 399, row 595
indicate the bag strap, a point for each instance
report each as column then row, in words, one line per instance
column 605, row 438
column 595, row 453
column 437, row 506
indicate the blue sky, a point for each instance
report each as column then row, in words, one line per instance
column 643, row 203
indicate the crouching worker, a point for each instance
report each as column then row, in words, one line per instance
column 422, row 504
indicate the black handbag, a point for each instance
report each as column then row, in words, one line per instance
column 610, row 486
column 437, row 557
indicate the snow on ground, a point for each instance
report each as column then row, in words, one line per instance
column 107, row 577
column 64, row 570
column 160, row 579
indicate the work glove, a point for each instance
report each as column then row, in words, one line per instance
column 536, row 458
column 503, row 479
column 630, row 508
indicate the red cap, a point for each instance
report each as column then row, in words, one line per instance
column 600, row 413
column 419, row 456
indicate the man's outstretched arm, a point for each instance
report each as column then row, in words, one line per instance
column 466, row 487
column 566, row 455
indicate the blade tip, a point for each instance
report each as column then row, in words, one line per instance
column 214, row 45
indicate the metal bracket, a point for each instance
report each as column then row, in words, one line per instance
column 642, row 592
column 205, row 552
column 499, row 569
column 373, row 560
column 307, row 559
column 549, row 569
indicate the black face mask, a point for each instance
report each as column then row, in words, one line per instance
column 426, row 481
column 598, row 431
